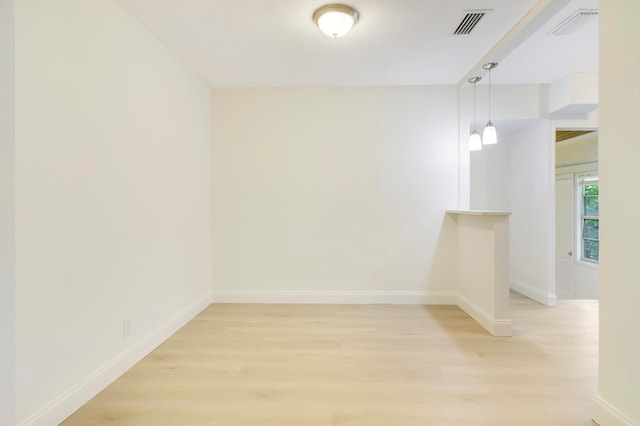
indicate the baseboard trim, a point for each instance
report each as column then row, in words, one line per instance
column 533, row 293
column 65, row 405
column 337, row 297
column 497, row 327
column 607, row 415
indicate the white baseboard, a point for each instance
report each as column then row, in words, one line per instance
column 65, row 405
column 337, row 297
column 497, row 327
column 606, row 415
column 533, row 293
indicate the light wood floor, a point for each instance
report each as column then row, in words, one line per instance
column 364, row 365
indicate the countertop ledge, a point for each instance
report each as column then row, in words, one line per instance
column 479, row 212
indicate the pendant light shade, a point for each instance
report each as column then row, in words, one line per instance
column 475, row 143
column 489, row 135
column 335, row 20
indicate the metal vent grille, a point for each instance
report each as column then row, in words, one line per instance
column 574, row 21
column 469, row 21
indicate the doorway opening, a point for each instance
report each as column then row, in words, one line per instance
column 577, row 214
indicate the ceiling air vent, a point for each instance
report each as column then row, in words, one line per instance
column 574, row 21
column 470, row 20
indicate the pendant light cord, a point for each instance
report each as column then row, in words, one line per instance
column 489, row 66
column 489, row 94
column 474, row 105
column 474, row 81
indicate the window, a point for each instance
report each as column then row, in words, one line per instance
column 589, row 224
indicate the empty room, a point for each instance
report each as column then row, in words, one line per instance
column 281, row 212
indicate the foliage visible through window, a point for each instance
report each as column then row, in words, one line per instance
column 590, row 221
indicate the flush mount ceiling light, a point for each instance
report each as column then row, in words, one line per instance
column 335, row 20
column 475, row 143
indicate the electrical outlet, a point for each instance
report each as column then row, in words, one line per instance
column 126, row 328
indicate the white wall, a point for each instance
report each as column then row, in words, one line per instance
column 483, row 269
column 517, row 175
column 513, row 107
column 112, row 196
column 490, row 177
column 328, row 191
column 618, row 399
column 7, row 206
column 531, row 180
column 586, row 281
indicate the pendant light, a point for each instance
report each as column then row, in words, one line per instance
column 489, row 136
column 475, row 143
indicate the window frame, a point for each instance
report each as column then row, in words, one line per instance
column 582, row 180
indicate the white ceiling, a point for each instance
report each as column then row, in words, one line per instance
column 544, row 58
column 274, row 43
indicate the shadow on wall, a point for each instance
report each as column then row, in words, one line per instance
column 442, row 271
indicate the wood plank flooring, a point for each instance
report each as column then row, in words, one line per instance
column 365, row 365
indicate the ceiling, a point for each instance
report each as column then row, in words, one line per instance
column 544, row 58
column 274, row 43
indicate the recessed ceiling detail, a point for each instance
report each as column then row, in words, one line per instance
column 470, row 20
column 574, row 21
column 563, row 135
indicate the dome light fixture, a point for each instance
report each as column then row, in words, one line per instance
column 475, row 142
column 335, row 20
